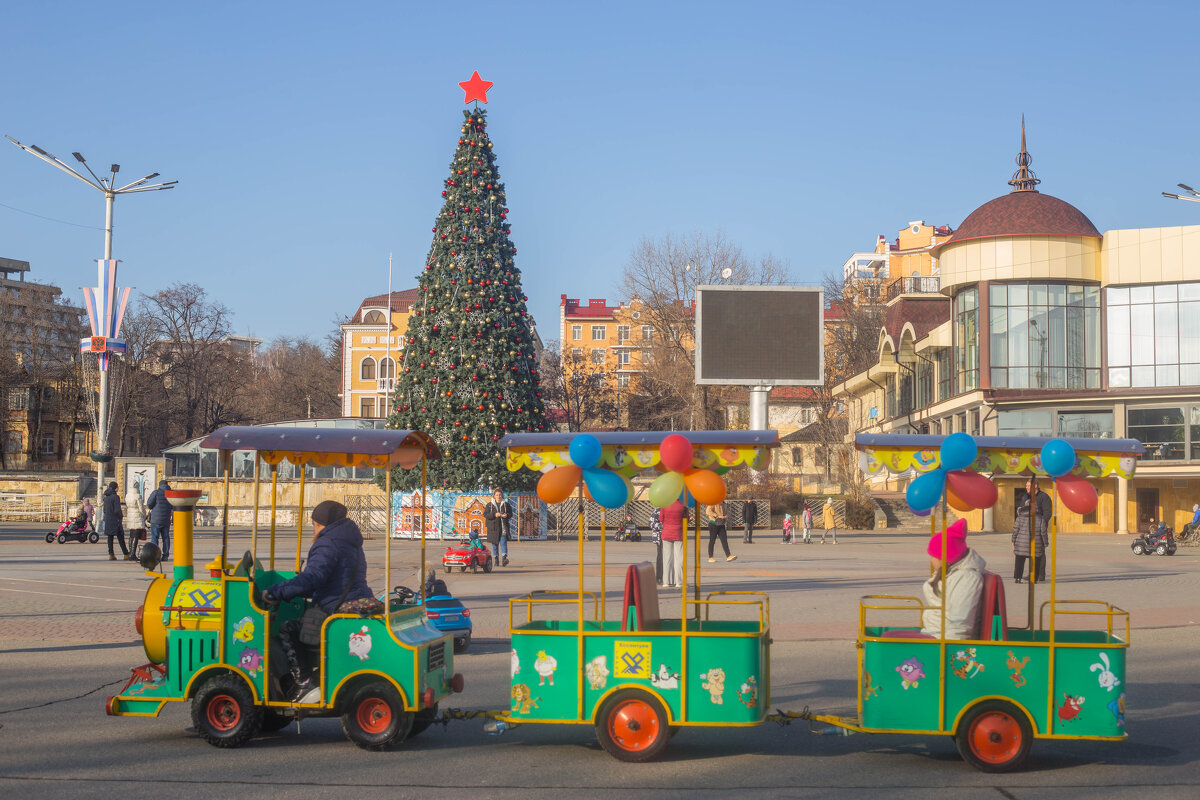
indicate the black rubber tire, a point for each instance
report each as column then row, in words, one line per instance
column 50, row 538
column 620, row 722
column 1138, row 549
column 487, row 565
column 462, row 568
column 93, row 537
column 1161, row 549
column 466, row 643
column 1001, row 725
column 62, row 538
column 374, row 717
column 224, row 712
column 449, row 570
column 475, row 567
column 274, row 721
column 423, row 719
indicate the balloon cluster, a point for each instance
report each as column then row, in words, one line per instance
column 675, row 453
column 1058, row 459
column 965, row 491
column 607, row 488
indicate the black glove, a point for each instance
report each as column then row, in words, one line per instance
column 269, row 599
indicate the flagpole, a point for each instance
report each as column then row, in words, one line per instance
column 388, row 360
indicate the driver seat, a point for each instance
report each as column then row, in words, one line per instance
column 640, row 606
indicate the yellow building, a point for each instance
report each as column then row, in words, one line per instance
column 903, row 266
column 1046, row 327
column 373, row 343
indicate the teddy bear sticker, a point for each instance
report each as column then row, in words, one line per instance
column 714, row 684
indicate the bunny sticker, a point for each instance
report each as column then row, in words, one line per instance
column 1108, row 678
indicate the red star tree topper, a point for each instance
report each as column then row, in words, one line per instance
column 476, row 88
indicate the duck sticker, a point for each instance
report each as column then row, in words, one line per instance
column 1108, row 678
column 1016, row 665
column 544, row 665
column 965, row 665
column 869, row 690
column 714, row 684
column 912, row 672
column 1070, row 708
column 1117, row 707
column 514, row 664
column 595, row 670
column 360, row 644
column 748, row 693
column 251, row 660
column 523, row 699
column 244, row 630
column 665, row 679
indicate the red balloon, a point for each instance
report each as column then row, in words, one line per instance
column 676, row 453
column 558, row 484
column 974, row 489
column 1076, row 493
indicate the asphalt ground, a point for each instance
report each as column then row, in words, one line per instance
column 67, row 641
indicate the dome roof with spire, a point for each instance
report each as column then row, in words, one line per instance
column 1024, row 211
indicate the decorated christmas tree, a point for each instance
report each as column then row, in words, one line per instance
column 469, row 374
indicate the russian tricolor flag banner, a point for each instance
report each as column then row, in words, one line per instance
column 106, row 308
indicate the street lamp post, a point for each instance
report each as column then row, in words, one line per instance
column 108, row 187
column 1193, row 198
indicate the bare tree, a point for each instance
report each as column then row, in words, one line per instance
column 572, row 391
column 297, row 379
column 662, row 275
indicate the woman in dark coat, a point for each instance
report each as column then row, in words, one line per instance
column 1022, row 536
column 112, row 515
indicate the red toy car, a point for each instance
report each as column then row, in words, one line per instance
column 469, row 552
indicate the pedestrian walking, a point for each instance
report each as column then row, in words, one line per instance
column 830, row 521
column 716, row 530
column 672, row 543
column 656, row 531
column 787, row 529
column 111, row 510
column 160, row 518
column 806, row 523
column 135, row 519
column 749, row 517
column 497, row 513
column 1028, row 543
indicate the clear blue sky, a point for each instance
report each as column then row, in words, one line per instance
column 311, row 139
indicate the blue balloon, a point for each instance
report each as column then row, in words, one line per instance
column 686, row 498
column 925, row 492
column 585, row 451
column 1058, row 457
column 958, row 451
column 607, row 488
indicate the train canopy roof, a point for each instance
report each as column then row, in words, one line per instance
column 324, row 447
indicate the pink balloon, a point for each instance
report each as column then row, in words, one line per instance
column 1076, row 493
column 972, row 488
column 676, row 453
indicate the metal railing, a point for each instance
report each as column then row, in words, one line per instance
column 33, row 507
column 913, row 284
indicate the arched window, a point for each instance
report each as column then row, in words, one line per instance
column 367, row 371
column 373, row 318
column 387, row 368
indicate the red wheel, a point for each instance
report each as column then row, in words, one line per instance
column 994, row 736
column 224, row 713
column 374, row 717
column 632, row 726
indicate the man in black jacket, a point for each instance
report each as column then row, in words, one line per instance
column 112, row 515
column 160, row 518
column 749, row 517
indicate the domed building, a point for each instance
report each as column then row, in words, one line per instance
column 1044, row 326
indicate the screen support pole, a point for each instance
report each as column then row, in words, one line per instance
column 759, row 414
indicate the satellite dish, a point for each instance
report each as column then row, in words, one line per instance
column 725, row 273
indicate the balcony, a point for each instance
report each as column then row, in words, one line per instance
column 913, row 284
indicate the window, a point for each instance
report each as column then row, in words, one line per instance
column 1086, row 424
column 797, row 457
column 368, row 340
column 387, row 368
column 1025, row 423
column 46, row 444
column 576, row 333
column 367, row 371
column 945, row 373
column 599, row 333
column 18, row 399
column 373, row 318
column 966, row 340
column 623, row 381
column 367, row 407
column 1161, row 430
column 598, row 355
column 1154, row 335
column 623, row 358
column 622, row 334
column 576, row 353
column 13, row 442
column 924, row 383
column 79, row 442
column 647, row 334
column 1044, row 336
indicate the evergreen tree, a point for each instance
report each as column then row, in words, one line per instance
column 469, row 374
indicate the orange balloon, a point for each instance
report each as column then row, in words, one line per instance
column 557, row 485
column 957, row 502
column 705, row 485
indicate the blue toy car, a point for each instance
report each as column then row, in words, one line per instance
column 442, row 609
